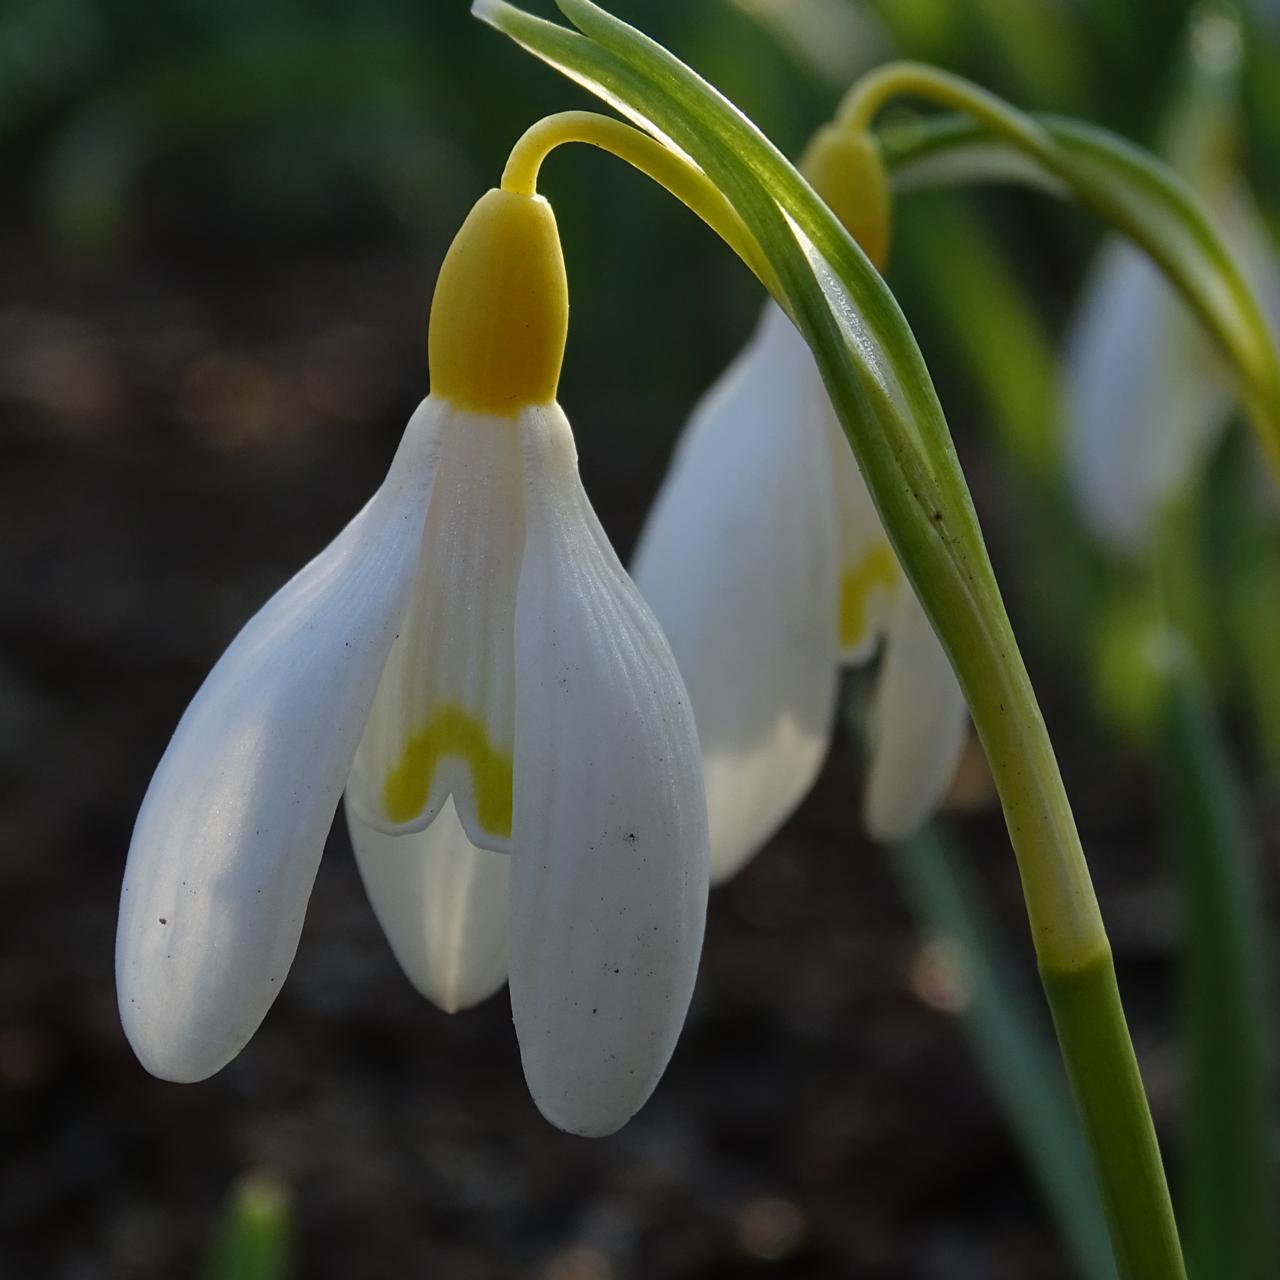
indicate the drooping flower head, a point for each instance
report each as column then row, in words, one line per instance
column 766, row 563
column 471, row 662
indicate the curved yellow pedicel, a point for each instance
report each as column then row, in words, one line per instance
column 846, row 170
column 500, row 313
column 451, row 731
column 878, row 568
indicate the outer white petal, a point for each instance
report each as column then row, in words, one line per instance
column 442, row 904
column 443, row 722
column 918, row 724
column 609, row 870
column 1143, row 398
column 739, row 563
column 227, row 843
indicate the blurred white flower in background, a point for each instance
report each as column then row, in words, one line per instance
column 766, row 564
column 1145, row 392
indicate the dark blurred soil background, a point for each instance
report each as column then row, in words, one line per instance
column 189, row 413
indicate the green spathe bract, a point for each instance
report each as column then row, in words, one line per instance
column 887, row 405
column 1132, row 192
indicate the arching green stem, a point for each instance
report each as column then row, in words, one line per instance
column 1131, row 191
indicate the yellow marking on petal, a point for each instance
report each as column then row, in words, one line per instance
column 878, row 568
column 451, row 731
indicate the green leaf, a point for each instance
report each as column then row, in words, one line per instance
column 254, row 1238
column 1131, row 192
column 1229, row 1114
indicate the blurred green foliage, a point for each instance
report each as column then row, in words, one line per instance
column 293, row 119
column 1229, row 1114
column 254, row 1239
column 263, row 123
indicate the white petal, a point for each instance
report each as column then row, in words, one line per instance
column 442, row 904
column 1144, row 398
column 227, row 843
column 443, row 721
column 918, row 725
column 609, row 872
column 739, row 563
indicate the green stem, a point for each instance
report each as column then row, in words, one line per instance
column 1076, row 966
column 917, row 79
column 1098, row 1054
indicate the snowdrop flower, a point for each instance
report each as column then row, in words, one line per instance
column 471, row 662
column 1145, row 393
column 765, row 561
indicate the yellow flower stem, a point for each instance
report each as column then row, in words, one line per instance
column 665, row 166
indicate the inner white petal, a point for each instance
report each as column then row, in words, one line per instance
column 443, row 720
column 442, row 904
column 918, row 726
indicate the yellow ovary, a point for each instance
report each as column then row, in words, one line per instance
column 878, row 568
column 500, row 311
column 451, row 731
column 847, row 172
